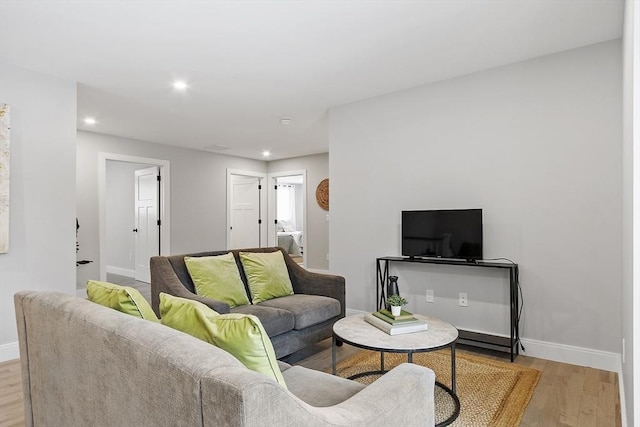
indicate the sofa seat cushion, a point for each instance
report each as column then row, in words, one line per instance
column 308, row 310
column 319, row 389
column 275, row 321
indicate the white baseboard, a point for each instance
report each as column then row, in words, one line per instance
column 352, row 312
column 598, row 359
column 623, row 405
column 318, row 270
column 9, row 351
column 121, row 271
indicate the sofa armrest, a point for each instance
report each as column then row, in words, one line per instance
column 311, row 283
column 403, row 396
column 164, row 279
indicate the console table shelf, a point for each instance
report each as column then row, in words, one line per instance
column 511, row 342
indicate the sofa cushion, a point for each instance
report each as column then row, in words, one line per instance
column 267, row 275
column 307, row 310
column 241, row 335
column 217, row 277
column 275, row 320
column 122, row 298
column 319, row 389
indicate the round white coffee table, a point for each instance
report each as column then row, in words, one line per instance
column 355, row 331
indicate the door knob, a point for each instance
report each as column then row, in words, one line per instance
column 135, row 230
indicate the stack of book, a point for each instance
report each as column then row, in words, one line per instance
column 404, row 323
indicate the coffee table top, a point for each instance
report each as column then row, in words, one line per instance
column 355, row 330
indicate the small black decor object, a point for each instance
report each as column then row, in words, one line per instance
column 84, row 261
column 392, row 286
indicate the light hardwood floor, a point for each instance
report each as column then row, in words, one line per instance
column 566, row 395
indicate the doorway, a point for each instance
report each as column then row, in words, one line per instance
column 245, row 209
column 133, row 214
column 287, row 210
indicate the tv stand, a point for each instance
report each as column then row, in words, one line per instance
column 511, row 342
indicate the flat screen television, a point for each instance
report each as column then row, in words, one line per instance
column 455, row 233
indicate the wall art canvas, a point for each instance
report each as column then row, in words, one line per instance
column 4, row 178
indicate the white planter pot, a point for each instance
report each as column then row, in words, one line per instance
column 395, row 310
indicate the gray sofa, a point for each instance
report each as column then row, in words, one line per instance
column 292, row 322
column 87, row 365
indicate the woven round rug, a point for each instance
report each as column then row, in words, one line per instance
column 491, row 392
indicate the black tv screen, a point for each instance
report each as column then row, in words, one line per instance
column 453, row 233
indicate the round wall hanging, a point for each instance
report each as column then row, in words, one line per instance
column 322, row 194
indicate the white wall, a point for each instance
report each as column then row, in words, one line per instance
column 42, row 206
column 630, row 304
column 317, row 241
column 120, row 216
column 537, row 145
column 198, row 194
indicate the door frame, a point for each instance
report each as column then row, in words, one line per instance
column 165, row 202
column 271, row 217
column 262, row 177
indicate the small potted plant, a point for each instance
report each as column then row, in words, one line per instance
column 396, row 302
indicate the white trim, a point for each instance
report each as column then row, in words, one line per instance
column 634, row 8
column 317, row 270
column 353, row 312
column 165, row 202
column 598, row 359
column 623, row 405
column 262, row 178
column 10, row 351
column 121, row 271
column 271, row 216
column 574, row 355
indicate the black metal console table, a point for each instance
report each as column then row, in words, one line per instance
column 511, row 342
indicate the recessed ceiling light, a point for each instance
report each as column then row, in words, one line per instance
column 90, row 121
column 180, row 85
column 285, row 121
column 266, row 153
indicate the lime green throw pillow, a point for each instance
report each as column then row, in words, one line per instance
column 267, row 275
column 242, row 335
column 122, row 298
column 217, row 277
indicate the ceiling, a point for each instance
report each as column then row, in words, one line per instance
column 250, row 63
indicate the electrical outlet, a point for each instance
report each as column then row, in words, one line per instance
column 462, row 299
column 429, row 295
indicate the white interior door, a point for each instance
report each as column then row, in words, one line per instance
column 245, row 212
column 147, row 229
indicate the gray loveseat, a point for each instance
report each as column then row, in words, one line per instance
column 292, row 322
column 87, row 365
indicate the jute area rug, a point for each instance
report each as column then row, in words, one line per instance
column 491, row 393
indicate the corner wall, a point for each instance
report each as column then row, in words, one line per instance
column 537, row 145
column 42, row 196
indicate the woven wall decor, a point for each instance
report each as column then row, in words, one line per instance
column 322, row 194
